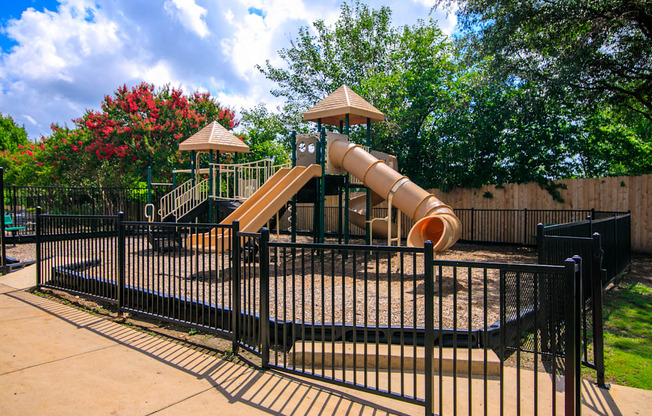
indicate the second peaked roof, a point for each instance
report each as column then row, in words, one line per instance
column 214, row 137
column 333, row 109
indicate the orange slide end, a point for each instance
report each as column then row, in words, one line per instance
column 443, row 230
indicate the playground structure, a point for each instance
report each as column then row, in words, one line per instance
column 333, row 298
column 323, row 164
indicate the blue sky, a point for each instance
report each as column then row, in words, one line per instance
column 61, row 57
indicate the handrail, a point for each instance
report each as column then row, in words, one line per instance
column 191, row 199
column 239, row 182
column 168, row 202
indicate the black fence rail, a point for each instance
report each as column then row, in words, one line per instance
column 172, row 278
column 480, row 226
column 390, row 320
column 78, row 254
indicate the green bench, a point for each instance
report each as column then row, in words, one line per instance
column 9, row 222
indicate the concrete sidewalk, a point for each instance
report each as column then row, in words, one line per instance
column 57, row 360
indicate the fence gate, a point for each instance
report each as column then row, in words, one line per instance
column 388, row 320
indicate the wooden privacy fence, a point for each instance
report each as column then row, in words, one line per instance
column 615, row 194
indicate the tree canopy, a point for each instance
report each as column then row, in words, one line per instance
column 11, row 135
column 603, row 48
column 495, row 106
column 135, row 128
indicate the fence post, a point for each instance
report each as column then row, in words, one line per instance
column 3, row 260
column 235, row 279
column 573, row 275
column 264, row 297
column 472, row 223
column 38, row 246
column 541, row 253
column 121, row 261
column 525, row 226
column 429, row 288
column 598, row 333
column 14, row 202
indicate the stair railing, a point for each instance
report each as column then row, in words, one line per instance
column 191, row 199
column 168, row 202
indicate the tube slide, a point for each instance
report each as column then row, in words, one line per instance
column 254, row 213
column 434, row 220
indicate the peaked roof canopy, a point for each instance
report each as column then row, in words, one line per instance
column 214, row 137
column 333, row 109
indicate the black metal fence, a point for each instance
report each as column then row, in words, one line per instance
column 606, row 247
column 480, row 226
column 615, row 233
column 21, row 202
column 389, row 320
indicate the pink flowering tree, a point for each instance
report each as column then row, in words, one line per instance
column 140, row 127
column 134, row 128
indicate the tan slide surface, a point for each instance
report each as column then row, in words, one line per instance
column 254, row 213
column 434, row 220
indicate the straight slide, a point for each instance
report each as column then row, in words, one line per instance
column 254, row 213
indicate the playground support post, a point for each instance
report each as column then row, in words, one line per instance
column 237, row 176
column 322, row 187
column 193, row 160
column 211, row 182
column 347, row 198
column 367, row 237
column 149, row 184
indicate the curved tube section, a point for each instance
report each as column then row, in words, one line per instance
column 434, row 220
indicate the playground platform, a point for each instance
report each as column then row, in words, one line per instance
column 55, row 359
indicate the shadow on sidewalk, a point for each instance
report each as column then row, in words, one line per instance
column 267, row 391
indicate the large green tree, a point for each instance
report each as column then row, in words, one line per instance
column 11, row 135
column 463, row 114
column 601, row 47
column 267, row 134
column 407, row 73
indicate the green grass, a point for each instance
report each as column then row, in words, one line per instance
column 628, row 335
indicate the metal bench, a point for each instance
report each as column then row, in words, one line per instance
column 9, row 222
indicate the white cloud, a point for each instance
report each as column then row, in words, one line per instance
column 65, row 61
column 189, row 14
column 30, row 119
column 50, row 43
